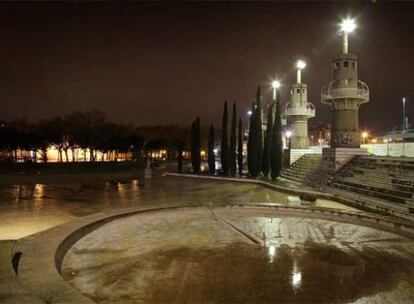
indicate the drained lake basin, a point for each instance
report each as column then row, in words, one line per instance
column 212, row 254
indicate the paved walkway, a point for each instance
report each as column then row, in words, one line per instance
column 11, row 292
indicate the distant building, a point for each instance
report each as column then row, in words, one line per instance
column 319, row 134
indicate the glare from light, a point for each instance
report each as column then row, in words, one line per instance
column 364, row 134
column 348, row 25
column 300, row 64
column 249, row 113
column 296, row 279
column 215, row 151
column 296, row 276
column 289, row 134
column 272, row 250
column 275, row 84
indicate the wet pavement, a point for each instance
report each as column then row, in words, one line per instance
column 229, row 255
column 30, row 207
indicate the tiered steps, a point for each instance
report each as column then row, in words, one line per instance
column 387, row 182
column 306, row 170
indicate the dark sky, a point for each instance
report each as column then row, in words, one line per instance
column 161, row 63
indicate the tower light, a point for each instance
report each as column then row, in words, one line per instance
column 347, row 26
column 275, row 85
column 300, row 65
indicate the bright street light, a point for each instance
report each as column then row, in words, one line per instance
column 364, row 136
column 300, row 64
column 249, row 113
column 347, row 26
column 275, row 85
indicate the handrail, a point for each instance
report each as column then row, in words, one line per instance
column 361, row 91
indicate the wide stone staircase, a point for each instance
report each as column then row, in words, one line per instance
column 307, row 170
column 384, row 182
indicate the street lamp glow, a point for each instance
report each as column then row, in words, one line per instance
column 300, row 64
column 249, row 113
column 364, row 134
column 275, row 85
column 348, row 25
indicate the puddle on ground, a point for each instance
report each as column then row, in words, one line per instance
column 247, row 273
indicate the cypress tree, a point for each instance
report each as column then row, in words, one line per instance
column 224, row 154
column 192, row 143
column 276, row 144
column 179, row 146
column 211, row 157
column 259, row 130
column 250, row 140
column 268, row 142
column 195, row 145
column 198, row 145
column 240, row 147
column 257, row 137
column 233, row 142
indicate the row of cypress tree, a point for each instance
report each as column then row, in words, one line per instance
column 265, row 157
column 264, row 149
column 231, row 154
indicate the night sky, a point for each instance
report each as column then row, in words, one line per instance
column 162, row 63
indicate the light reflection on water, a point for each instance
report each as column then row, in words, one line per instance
column 43, row 205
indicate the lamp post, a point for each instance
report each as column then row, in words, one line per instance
column 364, row 136
column 404, row 126
column 275, row 86
column 347, row 26
column 288, row 136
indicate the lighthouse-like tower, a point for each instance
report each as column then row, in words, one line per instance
column 298, row 111
column 345, row 93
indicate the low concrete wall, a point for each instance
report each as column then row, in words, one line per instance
column 391, row 149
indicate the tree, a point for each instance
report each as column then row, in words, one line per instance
column 233, row 142
column 268, row 143
column 250, row 141
column 240, row 147
column 195, row 145
column 211, row 156
column 276, row 144
column 256, row 138
column 224, row 151
column 179, row 146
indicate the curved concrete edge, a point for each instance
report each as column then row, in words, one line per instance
column 43, row 253
column 268, row 185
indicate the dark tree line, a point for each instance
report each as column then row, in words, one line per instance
column 88, row 131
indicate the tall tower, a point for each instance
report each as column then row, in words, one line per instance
column 345, row 93
column 298, row 111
